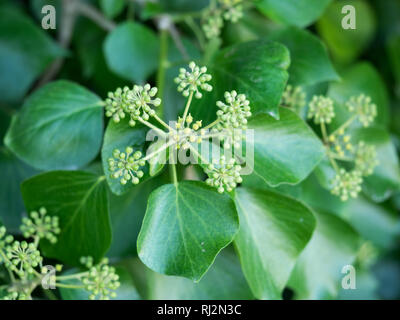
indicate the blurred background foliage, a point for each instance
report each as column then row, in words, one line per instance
column 117, row 42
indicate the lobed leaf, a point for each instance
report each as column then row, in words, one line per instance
column 185, row 227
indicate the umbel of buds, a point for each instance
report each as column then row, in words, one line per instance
column 136, row 103
column 23, row 257
column 126, row 165
column 101, row 280
column 321, row 109
column 236, row 110
column 347, row 184
column 223, row 174
column 41, row 225
column 363, row 108
column 229, row 10
column 232, row 118
column 233, row 11
column 193, row 80
column 293, row 98
column 365, row 158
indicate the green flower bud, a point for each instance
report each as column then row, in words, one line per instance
column 125, row 166
column 365, row 158
column 223, row 174
column 321, row 109
column 363, row 107
column 101, row 280
column 193, row 80
column 347, row 184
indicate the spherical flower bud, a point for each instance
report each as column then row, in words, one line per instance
column 363, row 107
column 223, row 174
column 136, row 103
column 212, row 27
column 101, row 280
column 293, row 98
column 41, row 225
column 193, row 80
column 23, row 257
column 365, row 158
column 347, row 184
column 321, row 109
column 126, row 165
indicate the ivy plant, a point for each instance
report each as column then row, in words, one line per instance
column 209, row 149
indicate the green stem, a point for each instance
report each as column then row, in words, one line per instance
column 165, row 146
column 146, row 123
column 69, row 286
column 174, row 176
column 324, row 132
column 73, row 276
column 163, row 63
column 212, row 124
column 345, row 125
column 187, row 107
column 162, row 122
column 333, row 162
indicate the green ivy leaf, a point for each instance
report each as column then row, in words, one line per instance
column 373, row 222
column 293, row 12
column 386, row 177
column 285, row 151
column 59, row 127
column 127, row 212
column 224, row 280
column 317, row 273
column 185, row 227
column 256, row 68
column 119, row 136
column 112, row 8
column 360, row 78
column 80, row 201
column 310, row 63
column 274, row 229
column 13, row 172
column 126, row 290
column 131, row 51
column 25, row 52
column 347, row 44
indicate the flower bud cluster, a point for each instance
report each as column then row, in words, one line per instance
column 101, row 280
column 41, row 225
column 363, row 107
column 229, row 10
column 293, row 98
column 193, row 80
column 347, row 184
column 233, row 10
column 136, row 103
column 232, row 118
column 223, row 174
column 22, row 258
column 321, row 109
column 365, row 158
column 126, row 165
